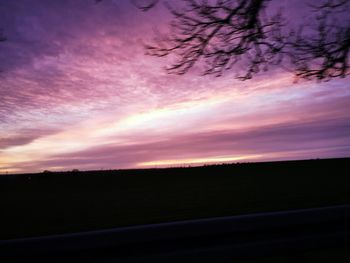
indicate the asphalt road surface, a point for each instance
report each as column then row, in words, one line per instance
column 222, row 239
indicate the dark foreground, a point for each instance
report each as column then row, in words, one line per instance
column 313, row 235
column 58, row 203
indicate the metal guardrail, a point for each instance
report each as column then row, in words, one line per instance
column 206, row 240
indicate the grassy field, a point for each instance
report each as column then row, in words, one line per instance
column 52, row 203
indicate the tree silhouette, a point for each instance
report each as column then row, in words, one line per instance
column 325, row 54
column 224, row 33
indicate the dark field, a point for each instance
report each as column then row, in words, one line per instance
column 53, row 203
column 327, row 255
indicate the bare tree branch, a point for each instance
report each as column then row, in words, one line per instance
column 324, row 55
column 221, row 35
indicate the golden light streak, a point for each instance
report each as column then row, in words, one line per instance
column 209, row 160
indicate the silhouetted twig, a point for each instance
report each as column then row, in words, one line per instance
column 145, row 5
column 2, row 36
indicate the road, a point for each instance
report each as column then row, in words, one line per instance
column 205, row 240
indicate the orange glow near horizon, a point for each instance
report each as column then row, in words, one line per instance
column 198, row 161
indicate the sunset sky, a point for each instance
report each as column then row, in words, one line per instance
column 78, row 91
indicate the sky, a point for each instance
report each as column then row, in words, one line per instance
column 78, row 92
